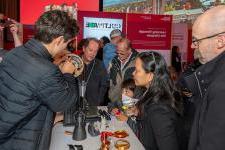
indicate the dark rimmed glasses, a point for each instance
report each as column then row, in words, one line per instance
column 196, row 41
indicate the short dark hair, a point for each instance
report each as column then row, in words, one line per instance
column 105, row 40
column 81, row 44
column 128, row 84
column 88, row 40
column 53, row 24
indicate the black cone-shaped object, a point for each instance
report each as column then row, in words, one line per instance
column 79, row 132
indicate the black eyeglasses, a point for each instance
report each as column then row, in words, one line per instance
column 196, row 41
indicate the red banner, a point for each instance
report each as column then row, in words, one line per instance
column 180, row 39
column 1, row 39
column 28, row 32
column 30, row 10
column 149, row 31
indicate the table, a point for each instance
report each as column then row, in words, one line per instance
column 59, row 140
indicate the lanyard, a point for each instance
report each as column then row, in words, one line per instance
column 89, row 75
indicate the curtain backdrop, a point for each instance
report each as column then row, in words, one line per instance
column 10, row 8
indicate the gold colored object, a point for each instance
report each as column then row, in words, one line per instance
column 120, row 134
column 105, row 146
column 78, row 64
column 124, row 107
column 68, row 133
column 122, row 144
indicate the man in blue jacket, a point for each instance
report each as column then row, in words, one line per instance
column 32, row 87
column 109, row 50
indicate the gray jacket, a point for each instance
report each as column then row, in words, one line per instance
column 117, row 75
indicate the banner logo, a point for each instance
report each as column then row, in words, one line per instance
column 103, row 25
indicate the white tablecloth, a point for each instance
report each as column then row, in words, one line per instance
column 59, row 140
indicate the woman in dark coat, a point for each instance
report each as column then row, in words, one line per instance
column 176, row 59
column 157, row 109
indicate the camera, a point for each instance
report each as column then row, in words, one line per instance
column 5, row 22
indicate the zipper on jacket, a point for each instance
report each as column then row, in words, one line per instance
column 199, row 87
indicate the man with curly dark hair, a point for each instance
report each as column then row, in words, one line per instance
column 32, row 88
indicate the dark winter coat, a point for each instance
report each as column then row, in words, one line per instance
column 95, row 75
column 31, row 89
column 157, row 127
column 208, row 129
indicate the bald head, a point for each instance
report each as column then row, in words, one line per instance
column 209, row 34
column 211, row 22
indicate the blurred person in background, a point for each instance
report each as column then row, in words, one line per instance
column 13, row 26
column 103, row 41
column 176, row 59
column 109, row 50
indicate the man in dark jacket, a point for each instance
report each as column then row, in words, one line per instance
column 94, row 74
column 32, row 87
column 121, row 68
column 190, row 94
column 208, row 130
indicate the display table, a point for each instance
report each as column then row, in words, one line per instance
column 59, row 139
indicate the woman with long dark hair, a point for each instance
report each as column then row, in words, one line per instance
column 158, row 108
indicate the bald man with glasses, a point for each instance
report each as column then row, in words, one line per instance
column 208, row 129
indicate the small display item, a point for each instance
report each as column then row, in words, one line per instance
column 120, row 134
column 118, row 112
column 68, row 133
column 105, row 146
column 122, row 144
column 104, row 139
column 78, row 63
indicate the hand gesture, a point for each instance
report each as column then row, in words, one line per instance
column 60, row 57
column 67, row 67
column 122, row 117
column 13, row 27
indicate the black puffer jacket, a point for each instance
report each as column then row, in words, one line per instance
column 31, row 89
column 157, row 128
column 208, row 129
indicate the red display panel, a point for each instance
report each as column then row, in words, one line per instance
column 149, row 31
column 30, row 10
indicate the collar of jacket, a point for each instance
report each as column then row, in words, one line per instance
column 117, row 62
column 38, row 48
column 116, row 66
column 91, row 62
column 206, row 73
